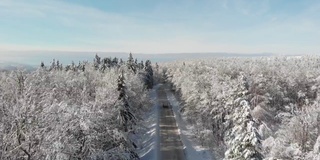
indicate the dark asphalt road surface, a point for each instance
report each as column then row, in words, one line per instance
column 171, row 147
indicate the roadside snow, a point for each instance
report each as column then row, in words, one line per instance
column 192, row 149
column 149, row 146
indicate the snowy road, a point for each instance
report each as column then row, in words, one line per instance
column 166, row 135
column 171, row 147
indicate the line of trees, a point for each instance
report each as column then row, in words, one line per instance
column 84, row 111
column 252, row 108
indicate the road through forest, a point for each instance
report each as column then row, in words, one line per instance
column 171, row 147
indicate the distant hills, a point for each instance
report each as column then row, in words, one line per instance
column 167, row 57
column 9, row 66
column 30, row 60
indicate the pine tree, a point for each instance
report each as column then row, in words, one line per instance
column 130, row 63
column 107, row 62
column 141, row 65
column 73, row 66
column 115, row 61
column 149, row 74
column 96, row 62
column 97, row 59
column 42, row 65
column 243, row 140
column 121, row 61
column 53, row 65
column 57, row 67
column 126, row 116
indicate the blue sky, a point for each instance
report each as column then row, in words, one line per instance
column 166, row 26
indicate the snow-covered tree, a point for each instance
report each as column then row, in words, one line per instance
column 149, row 74
column 126, row 116
column 243, row 140
column 278, row 91
column 68, row 114
column 131, row 64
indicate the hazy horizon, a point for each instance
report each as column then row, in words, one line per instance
column 66, row 57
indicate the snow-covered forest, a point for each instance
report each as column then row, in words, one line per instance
column 251, row 108
column 88, row 110
column 239, row 108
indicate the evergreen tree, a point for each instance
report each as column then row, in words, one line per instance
column 107, row 62
column 79, row 66
column 103, row 67
column 73, row 66
column 149, row 74
column 83, row 67
column 126, row 116
column 61, row 67
column 121, row 61
column 115, row 61
column 243, row 139
column 67, row 68
column 42, row 65
column 96, row 62
column 53, row 65
column 130, row 63
column 245, row 142
column 141, row 65
column 97, row 59
column 57, row 67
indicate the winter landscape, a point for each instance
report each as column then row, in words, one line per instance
column 223, row 108
column 159, row 80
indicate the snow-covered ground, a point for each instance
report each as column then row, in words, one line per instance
column 149, row 145
column 192, row 149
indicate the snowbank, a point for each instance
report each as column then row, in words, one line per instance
column 149, row 145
